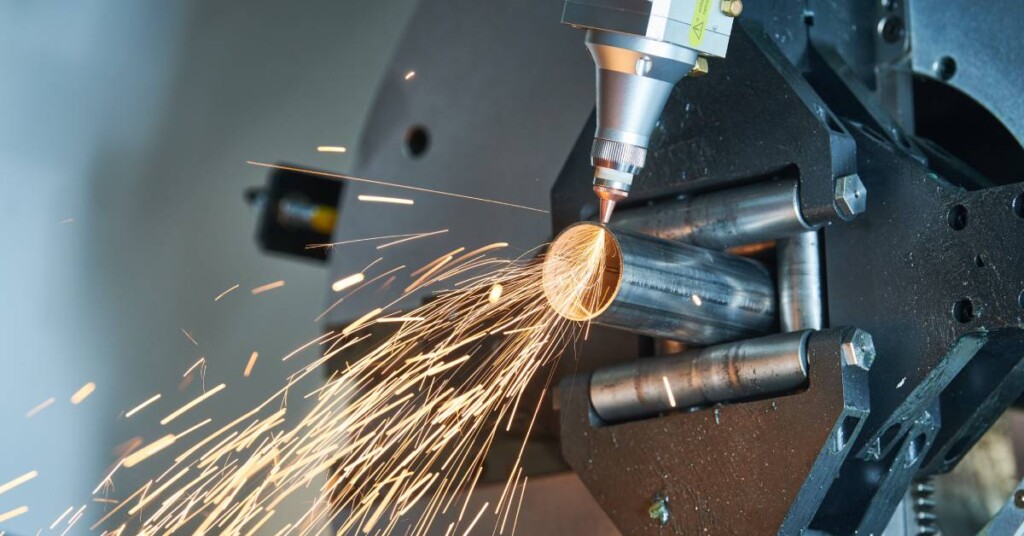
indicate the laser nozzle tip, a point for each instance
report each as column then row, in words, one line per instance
column 607, row 206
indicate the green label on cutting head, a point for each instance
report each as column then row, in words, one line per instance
column 699, row 24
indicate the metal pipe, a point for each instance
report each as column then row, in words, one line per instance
column 754, row 368
column 719, row 220
column 658, row 288
column 800, row 304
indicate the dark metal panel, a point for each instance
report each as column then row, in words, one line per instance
column 750, row 468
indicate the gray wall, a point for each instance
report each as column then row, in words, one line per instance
column 135, row 119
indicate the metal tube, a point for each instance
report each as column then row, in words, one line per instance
column 754, row 368
column 666, row 289
column 800, row 304
column 719, row 220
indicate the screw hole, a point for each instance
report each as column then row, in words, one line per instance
column 1018, row 206
column 892, row 29
column 944, row 67
column 963, row 310
column 957, row 217
column 979, row 260
column 1018, row 498
column 417, row 141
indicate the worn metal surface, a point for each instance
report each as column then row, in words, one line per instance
column 678, row 291
column 749, row 468
column 801, row 304
column 937, row 290
column 733, row 372
column 719, row 220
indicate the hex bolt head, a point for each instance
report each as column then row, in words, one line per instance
column 700, row 68
column 858, row 349
column 851, row 197
column 732, row 8
column 658, row 509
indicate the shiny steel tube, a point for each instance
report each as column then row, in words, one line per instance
column 800, row 304
column 754, row 368
column 719, row 220
column 663, row 289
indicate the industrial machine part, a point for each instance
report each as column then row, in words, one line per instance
column 723, row 219
column 754, row 368
column 641, row 50
column 658, row 288
column 296, row 210
column 818, row 105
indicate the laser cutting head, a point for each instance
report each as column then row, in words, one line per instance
column 641, row 50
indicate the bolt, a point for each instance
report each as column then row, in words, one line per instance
column 858, row 349
column 658, row 510
column 851, row 197
column 732, row 8
column 700, row 68
column 643, row 65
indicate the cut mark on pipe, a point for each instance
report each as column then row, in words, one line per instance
column 582, row 272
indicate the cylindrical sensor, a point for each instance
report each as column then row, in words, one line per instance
column 656, row 287
column 750, row 369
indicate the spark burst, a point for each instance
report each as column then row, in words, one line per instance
column 407, row 425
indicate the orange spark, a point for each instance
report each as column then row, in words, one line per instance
column 82, row 393
column 142, row 406
column 269, row 286
column 149, row 450
column 7, row 516
column 198, row 400
column 347, row 282
column 668, row 391
column 18, row 481
column 331, row 149
column 410, row 75
column 250, row 364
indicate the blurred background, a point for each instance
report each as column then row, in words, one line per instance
column 124, row 131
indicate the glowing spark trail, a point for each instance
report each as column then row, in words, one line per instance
column 149, row 450
column 413, row 237
column 82, row 393
column 394, row 185
column 225, row 293
column 42, row 405
column 381, row 199
column 269, row 286
column 403, row 425
column 668, row 391
column 409, row 75
column 142, row 406
column 198, row 400
column 250, row 364
column 190, row 337
column 347, row 282
column 331, row 149
column 13, row 514
column 18, row 481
